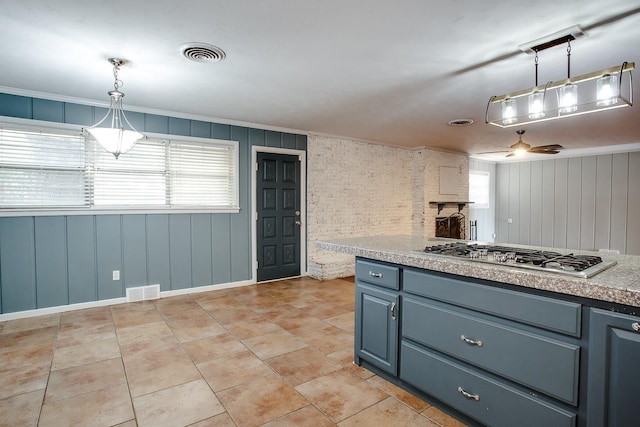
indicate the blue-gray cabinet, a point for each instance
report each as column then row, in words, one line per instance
column 376, row 311
column 614, row 370
column 495, row 356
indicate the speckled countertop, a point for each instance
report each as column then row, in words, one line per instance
column 618, row 284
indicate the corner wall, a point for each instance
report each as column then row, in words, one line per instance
column 360, row 189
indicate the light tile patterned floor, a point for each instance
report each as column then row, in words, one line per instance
column 274, row 354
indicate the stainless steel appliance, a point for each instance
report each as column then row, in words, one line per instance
column 529, row 258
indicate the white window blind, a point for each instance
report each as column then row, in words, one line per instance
column 479, row 189
column 202, row 175
column 56, row 170
column 136, row 178
column 39, row 169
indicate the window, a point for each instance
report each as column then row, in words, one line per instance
column 479, row 189
column 43, row 169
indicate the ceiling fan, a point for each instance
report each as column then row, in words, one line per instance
column 522, row 147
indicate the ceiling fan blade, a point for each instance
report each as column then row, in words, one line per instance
column 510, row 154
column 544, row 148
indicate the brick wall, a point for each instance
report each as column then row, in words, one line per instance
column 434, row 160
column 357, row 188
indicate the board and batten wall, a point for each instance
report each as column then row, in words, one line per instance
column 48, row 261
column 587, row 203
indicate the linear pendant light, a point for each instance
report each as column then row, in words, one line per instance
column 587, row 93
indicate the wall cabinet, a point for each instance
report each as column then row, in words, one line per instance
column 614, row 369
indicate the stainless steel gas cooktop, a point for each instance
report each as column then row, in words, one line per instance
column 584, row 266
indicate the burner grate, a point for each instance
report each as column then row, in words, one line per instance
column 519, row 256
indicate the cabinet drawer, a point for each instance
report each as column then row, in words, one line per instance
column 498, row 404
column 548, row 313
column 378, row 274
column 544, row 364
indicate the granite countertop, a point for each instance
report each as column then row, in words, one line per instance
column 618, row 284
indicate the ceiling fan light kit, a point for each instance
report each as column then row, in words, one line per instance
column 587, row 93
column 520, row 148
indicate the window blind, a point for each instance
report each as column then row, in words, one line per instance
column 202, row 175
column 40, row 169
column 56, row 170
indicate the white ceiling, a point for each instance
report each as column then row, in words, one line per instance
column 394, row 72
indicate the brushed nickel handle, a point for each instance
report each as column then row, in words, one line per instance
column 468, row 395
column 470, row 341
column 635, row 326
column 376, row 275
column 298, row 223
column 393, row 311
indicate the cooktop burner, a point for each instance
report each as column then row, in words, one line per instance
column 568, row 264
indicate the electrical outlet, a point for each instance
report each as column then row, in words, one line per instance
column 116, row 274
column 509, row 221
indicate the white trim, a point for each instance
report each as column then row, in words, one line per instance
column 145, row 110
column 120, row 211
column 115, row 301
column 303, row 205
column 61, row 309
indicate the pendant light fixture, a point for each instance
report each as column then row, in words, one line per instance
column 587, row 93
column 115, row 139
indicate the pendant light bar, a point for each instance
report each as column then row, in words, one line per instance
column 626, row 66
column 589, row 89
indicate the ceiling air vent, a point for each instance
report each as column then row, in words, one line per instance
column 201, row 52
column 460, row 122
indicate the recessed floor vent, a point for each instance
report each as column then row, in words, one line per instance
column 143, row 293
column 201, row 52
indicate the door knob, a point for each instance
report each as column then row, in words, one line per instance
column 298, row 223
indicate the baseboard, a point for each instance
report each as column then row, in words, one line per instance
column 113, row 301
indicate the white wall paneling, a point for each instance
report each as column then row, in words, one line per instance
column 585, row 203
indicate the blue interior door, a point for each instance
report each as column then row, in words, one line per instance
column 278, row 216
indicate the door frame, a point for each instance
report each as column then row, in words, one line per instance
column 302, row 156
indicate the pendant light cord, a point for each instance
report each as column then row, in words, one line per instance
column 536, row 67
column 569, row 59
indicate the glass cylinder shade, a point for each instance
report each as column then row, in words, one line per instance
column 536, row 105
column 114, row 140
column 509, row 111
column 607, row 90
column 568, row 98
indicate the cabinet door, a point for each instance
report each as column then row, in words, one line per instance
column 376, row 332
column 614, row 370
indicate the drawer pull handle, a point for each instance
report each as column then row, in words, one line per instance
column 468, row 395
column 470, row 341
column 635, row 326
column 393, row 311
column 376, row 275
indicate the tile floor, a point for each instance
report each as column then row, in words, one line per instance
column 274, row 354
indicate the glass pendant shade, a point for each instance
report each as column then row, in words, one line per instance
column 536, row 105
column 115, row 141
column 607, row 90
column 509, row 111
column 568, row 98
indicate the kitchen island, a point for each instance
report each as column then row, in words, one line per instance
column 619, row 284
column 497, row 344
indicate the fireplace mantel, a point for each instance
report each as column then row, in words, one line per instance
column 441, row 205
